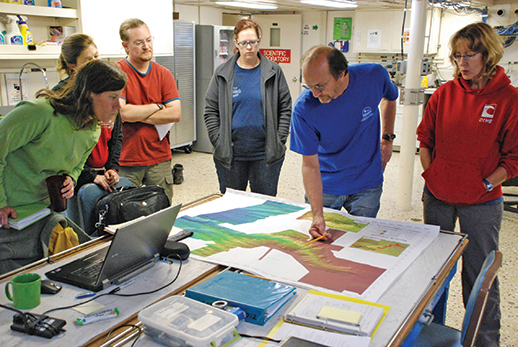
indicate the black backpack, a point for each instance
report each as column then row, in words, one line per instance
column 127, row 203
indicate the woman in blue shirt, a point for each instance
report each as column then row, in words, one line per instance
column 247, row 114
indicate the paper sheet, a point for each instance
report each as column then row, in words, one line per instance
column 163, row 129
column 373, row 38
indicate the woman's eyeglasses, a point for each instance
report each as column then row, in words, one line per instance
column 468, row 56
column 246, row 43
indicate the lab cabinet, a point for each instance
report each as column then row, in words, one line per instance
column 214, row 46
column 181, row 65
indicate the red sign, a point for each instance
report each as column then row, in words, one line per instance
column 277, row 55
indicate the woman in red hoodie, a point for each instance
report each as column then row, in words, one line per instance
column 468, row 147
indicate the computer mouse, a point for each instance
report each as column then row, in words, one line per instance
column 175, row 250
column 49, row 287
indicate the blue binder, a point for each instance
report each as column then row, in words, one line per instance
column 259, row 299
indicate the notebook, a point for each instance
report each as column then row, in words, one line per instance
column 338, row 313
column 135, row 248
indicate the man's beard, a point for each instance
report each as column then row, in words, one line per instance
column 146, row 57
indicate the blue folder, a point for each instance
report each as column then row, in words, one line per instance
column 259, row 299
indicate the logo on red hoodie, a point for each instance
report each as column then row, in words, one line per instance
column 488, row 113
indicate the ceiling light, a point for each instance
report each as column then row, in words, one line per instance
column 329, row 3
column 253, row 5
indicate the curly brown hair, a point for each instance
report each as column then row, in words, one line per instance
column 482, row 38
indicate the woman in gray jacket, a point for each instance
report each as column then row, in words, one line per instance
column 247, row 114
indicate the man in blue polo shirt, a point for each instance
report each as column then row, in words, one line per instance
column 345, row 139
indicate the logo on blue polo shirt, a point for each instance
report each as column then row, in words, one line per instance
column 366, row 113
column 236, row 92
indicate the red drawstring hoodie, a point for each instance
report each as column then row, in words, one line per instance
column 469, row 134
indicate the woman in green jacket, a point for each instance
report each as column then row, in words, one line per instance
column 52, row 135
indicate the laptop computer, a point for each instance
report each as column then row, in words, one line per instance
column 135, row 248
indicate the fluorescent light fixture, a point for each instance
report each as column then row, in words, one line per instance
column 253, row 5
column 330, row 3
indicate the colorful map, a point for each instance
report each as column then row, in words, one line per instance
column 265, row 236
column 324, row 269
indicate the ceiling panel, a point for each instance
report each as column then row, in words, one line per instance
column 292, row 5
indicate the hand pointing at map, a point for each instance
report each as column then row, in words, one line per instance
column 318, row 228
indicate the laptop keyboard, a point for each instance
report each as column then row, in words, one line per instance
column 91, row 271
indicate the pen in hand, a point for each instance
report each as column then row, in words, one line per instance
column 318, row 238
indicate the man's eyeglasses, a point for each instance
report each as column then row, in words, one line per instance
column 320, row 88
column 246, row 43
column 468, row 56
column 141, row 42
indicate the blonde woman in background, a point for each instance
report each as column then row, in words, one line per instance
column 468, row 147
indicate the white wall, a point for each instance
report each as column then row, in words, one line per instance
column 324, row 20
column 313, row 24
column 199, row 14
column 101, row 19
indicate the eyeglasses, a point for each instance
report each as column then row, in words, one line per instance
column 246, row 43
column 141, row 42
column 320, row 88
column 468, row 56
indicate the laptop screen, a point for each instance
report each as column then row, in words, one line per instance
column 137, row 243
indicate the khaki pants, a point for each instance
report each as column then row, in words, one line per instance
column 158, row 175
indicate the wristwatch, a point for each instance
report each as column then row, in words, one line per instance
column 160, row 106
column 489, row 185
column 388, row 137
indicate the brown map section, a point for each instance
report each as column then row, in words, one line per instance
column 327, row 271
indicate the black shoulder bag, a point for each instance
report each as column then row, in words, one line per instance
column 127, row 203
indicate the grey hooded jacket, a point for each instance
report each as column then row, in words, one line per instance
column 276, row 107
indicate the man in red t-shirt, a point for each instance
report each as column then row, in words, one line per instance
column 150, row 103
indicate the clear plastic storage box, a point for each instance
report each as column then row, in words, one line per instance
column 180, row 321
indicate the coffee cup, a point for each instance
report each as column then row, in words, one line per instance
column 54, row 184
column 26, row 291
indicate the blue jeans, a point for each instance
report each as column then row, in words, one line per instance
column 365, row 204
column 263, row 178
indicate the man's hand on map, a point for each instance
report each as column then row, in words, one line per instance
column 318, row 228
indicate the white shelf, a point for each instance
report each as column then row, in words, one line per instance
column 22, row 52
column 41, row 11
